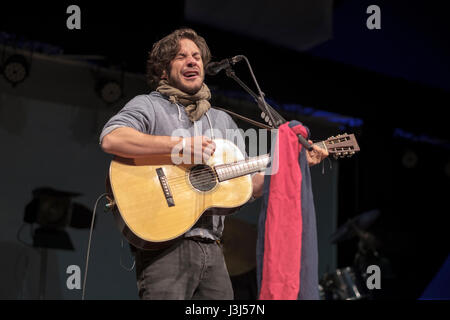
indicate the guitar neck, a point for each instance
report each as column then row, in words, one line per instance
column 248, row 166
column 340, row 146
column 242, row 168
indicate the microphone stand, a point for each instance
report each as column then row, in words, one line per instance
column 262, row 104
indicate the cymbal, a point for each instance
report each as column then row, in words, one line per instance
column 363, row 221
column 239, row 245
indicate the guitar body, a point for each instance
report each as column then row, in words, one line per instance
column 157, row 201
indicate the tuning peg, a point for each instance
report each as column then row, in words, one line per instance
column 266, row 118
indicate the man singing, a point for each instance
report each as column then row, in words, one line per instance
column 193, row 268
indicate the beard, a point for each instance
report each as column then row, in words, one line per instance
column 189, row 88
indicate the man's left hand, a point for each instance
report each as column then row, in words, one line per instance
column 316, row 155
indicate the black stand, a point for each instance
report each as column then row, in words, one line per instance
column 43, row 273
column 259, row 100
column 262, row 104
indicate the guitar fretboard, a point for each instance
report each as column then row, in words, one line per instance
column 241, row 168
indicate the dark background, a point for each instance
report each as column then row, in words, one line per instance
column 393, row 78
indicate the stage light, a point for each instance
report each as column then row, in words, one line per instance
column 109, row 90
column 15, row 69
column 410, row 159
column 54, row 210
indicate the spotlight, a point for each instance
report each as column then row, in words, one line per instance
column 15, row 69
column 50, row 207
column 109, row 90
column 53, row 210
column 410, row 159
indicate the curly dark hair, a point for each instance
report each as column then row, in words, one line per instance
column 166, row 49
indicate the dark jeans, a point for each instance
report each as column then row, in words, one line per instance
column 189, row 269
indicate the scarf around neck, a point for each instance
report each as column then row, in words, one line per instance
column 196, row 105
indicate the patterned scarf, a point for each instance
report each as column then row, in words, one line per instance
column 195, row 105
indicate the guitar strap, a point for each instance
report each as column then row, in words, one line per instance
column 256, row 123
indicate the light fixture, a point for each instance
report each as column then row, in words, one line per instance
column 109, row 90
column 410, row 159
column 53, row 210
column 15, row 69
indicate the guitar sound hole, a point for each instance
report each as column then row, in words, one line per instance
column 202, row 177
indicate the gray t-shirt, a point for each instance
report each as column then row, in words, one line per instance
column 155, row 114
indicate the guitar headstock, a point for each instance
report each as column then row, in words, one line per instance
column 341, row 146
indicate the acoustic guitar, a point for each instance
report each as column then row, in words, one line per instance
column 156, row 201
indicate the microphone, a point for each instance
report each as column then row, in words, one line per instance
column 214, row 68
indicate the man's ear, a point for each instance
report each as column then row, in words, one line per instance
column 164, row 75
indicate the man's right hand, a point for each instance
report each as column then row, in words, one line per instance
column 130, row 143
column 201, row 148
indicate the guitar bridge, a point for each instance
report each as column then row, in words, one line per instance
column 165, row 187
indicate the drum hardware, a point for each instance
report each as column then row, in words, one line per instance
column 349, row 283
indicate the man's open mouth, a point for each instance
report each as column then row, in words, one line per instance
column 190, row 74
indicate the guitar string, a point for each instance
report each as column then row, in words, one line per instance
column 203, row 181
column 176, row 184
column 199, row 172
column 199, row 183
column 207, row 179
column 202, row 171
column 181, row 187
column 177, row 179
column 196, row 174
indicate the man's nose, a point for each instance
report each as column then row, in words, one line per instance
column 191, row 62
